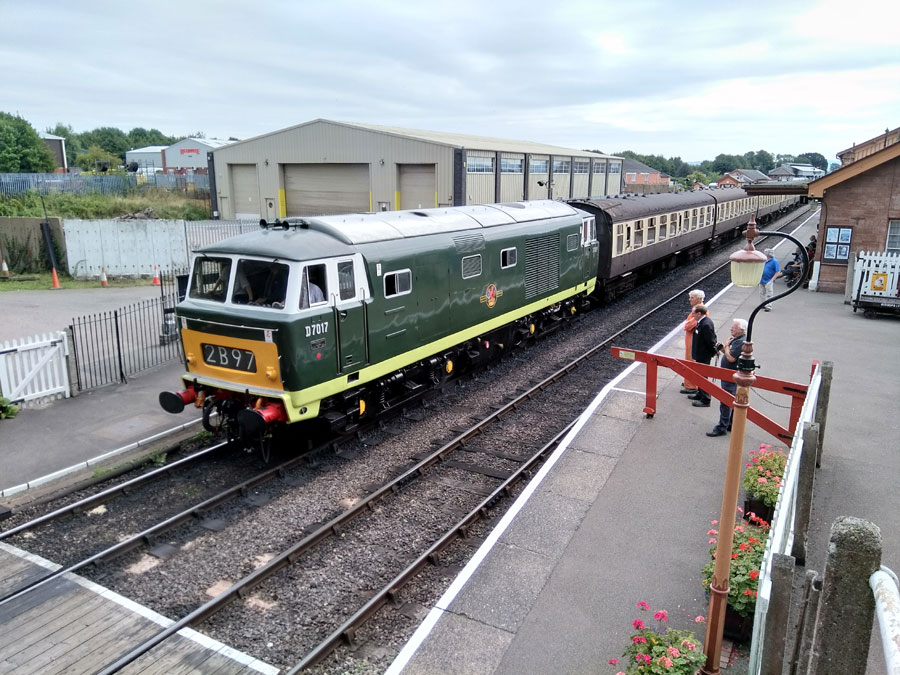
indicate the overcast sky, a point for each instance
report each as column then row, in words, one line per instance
column 688, row 79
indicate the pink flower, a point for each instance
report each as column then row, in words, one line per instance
column 639, row 640
column 673, row 652
column 664, row 661
column 613, row 662
column 739, row 528
column 700, row 619
column 661, row 615
column 714, row 522
column 638, row 624
column 643, row 605
column 712, row 532
column 687, row 644
column 761, row 480
column 740, row 510
column 647, row 659
column 712, row 540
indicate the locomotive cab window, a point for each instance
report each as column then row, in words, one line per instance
column 346, row 280
column 260, row 282
column 508, row 258
column 209, row 279
column 588, row 231
column 313, row 286
column 397, row 283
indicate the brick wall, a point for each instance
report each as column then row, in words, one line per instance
column 866, row 203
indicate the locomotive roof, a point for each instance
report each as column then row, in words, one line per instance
column 364, row 228
column 327, row 236
column 639, row 206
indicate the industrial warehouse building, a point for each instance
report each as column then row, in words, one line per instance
column 326, row 167
column 149, row 159
column 190, row 154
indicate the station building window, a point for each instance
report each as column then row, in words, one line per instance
column 893, row 237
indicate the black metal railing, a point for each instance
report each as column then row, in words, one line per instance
column 109, row 347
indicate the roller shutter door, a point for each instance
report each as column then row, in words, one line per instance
column 417, row 186
column 245, row 188
column 323, row 189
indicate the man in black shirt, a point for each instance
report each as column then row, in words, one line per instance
column 703, row 348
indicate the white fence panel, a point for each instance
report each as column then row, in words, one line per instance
column 781, row 534
column 35, row 367
column 124, row 247
column 876, row 275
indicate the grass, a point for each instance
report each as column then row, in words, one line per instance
column 43, row 281
column 163, row 204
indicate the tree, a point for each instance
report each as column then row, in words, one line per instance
column 834, row 166
column 784, row 159
column 21, row 149
column 96, row 158
column 813, row 158
column 113, row 140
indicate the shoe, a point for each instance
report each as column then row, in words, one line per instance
column 715, row 432
column 685, row 390
column 729, row 427
column 694, row 397
column 701, row 404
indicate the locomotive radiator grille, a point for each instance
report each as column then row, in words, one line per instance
column 541, row 265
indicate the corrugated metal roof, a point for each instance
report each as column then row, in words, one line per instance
column 150, row 148
column 209, row 142
column 475, row 142
column 51, row 137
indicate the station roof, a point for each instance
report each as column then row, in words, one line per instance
column 789, row 187
column 150, row 148
column 818, row 187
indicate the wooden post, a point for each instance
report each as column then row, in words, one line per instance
column 805, row 484
column 777, row 615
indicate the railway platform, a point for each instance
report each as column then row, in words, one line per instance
column 622, row 515
column 75, row 626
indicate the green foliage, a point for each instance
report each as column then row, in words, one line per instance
column 763, row 475
column 21, row 149
column 654, row 650
column 746, row 560
column 7, row 409
column 96, row 158
column 159, row 459
column 163, row 204
column 814, row 158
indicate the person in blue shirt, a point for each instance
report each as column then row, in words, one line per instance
column 771, row 272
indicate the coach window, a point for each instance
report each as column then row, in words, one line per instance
column 694, row 220
column 651, row 230
column 397, row 283
column 346, row 281
column 620, row 239
column 313, row 286
column 638, row 233
column 508, row 258
column 663, row 226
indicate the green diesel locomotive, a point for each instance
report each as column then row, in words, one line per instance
column 339, row 317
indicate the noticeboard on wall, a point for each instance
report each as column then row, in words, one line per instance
column 837, row 245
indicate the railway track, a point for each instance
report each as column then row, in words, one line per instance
column 474, row 471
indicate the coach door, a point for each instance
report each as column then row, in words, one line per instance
column 349, row 296
column 589, row 248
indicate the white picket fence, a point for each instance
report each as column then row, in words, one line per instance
column 876, row 277
column 35, row 368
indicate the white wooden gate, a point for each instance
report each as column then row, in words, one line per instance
column 35, row 367
column 876, row 278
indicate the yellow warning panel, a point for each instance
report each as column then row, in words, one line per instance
column 879, row 281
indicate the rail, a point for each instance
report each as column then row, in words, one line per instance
column 886, row 588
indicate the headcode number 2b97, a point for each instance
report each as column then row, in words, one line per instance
column 319, row 328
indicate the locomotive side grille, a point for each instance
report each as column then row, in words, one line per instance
column 541, row 265
column 469, row 243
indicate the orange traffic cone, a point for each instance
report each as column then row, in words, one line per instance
column 55, row 285
column 103, row 281
column 4, row 270
column 155, row 276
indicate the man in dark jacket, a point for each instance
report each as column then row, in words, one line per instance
column 731, row 352
column 703, row 348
